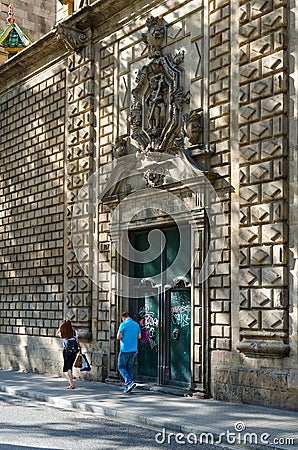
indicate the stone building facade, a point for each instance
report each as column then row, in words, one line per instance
column 175, row 116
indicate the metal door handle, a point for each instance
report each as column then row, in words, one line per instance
column 175, row 334
column 152, row 334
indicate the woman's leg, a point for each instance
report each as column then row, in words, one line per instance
column 70, row 378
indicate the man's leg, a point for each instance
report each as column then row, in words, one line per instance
column 129, row 367
column 130, row 363
column 122, row 367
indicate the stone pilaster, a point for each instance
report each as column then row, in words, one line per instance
column 219, row 110
column 79, row 166
column 263, row 179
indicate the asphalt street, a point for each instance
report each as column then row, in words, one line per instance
column 27, row 424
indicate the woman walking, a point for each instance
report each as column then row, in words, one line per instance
column 71, row 347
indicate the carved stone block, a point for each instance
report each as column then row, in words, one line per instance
column 280, row 254
column 243, row 94
column 273, row 105
column 260, row 213
column 261, row 88
column 260, row 7
column 275, row 276
column 249, row 235
column 276, row 61
column 261, row 298
column 244, row 14
column 272, row 148
column 250, row 277
column 260, row 130
column 244, row 256
column 244, row 298
column 249, row 113
column 280, row 211
column 249, row 31
column 280, row 298
column 274, row 20
column 249, row 72
column 249, row 153
column 244, row 175
column 249, row 320
column 261, row 47
column 261, row 255
column 275, row 190
column 244, row 135
column 273, row 320
column 274, row 233
column 244, row 216
column 260, row 172
column 250, row 194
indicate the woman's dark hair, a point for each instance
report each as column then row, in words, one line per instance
column 66, row 329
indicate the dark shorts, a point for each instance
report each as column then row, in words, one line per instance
column 68, row 359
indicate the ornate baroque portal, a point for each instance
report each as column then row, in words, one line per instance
column 155, row 183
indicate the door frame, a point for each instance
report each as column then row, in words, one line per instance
column 200, row 351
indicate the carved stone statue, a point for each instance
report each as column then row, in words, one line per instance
column 194, row 126
column 120, row 147
column 156, row 102
column 155, row 35
column 156, row 113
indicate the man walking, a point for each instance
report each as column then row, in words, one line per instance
column 129, row 332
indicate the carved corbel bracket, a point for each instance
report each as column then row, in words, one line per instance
column 73, row 38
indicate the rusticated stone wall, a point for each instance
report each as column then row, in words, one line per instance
column 32, row 206
column 249, row 108
column 60, row 118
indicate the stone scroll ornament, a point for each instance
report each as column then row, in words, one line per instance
column 74, row 39
column 156, row 113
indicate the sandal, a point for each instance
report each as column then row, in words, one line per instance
column 71, row 386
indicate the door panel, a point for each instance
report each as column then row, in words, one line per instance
column 180, row 326
column 147, row 313
column 177, row 260
column 151, row 268
column 164, row 313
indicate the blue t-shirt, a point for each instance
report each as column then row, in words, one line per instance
column 130, row 330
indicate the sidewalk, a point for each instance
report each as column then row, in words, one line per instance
column 228, row 423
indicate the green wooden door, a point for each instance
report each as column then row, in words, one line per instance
column 180, row 326
column 148, row 318
column 164, row 313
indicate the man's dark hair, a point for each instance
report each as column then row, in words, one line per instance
column 125, row 315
